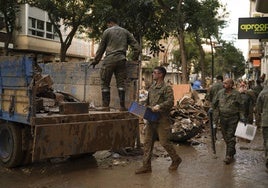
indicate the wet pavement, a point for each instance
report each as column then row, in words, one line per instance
column 200, row 168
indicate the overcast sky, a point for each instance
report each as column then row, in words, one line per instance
column 237, row 9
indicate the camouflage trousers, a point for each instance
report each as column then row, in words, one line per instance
column 265, row 141
column 228, row 127
column 160, row 130
column 108, row 69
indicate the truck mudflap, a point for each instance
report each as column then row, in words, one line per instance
column 67, row 135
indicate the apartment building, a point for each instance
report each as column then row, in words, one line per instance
column 258, row 48
column 36, row 37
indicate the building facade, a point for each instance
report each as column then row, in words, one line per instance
column 36, row 37
column 258, row 48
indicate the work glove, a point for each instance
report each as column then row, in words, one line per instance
column 156, row 108
column 93, row 64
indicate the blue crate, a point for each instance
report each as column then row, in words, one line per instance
column 143, row 112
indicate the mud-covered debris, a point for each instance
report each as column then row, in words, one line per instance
column 103, row 154
column 188, row 118
column 47, row 99
column 129, row 151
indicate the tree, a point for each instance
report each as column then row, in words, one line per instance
column 145, row 25
column 10, row 9
column 67, row 17
column 229, row 59
column 205, row 22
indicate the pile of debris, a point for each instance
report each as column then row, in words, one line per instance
column 51, row 101
column 188, row 119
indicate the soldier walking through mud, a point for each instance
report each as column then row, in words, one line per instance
column 229, row 104
column 160, row 99
column 212, row 92
column 115, row 41
column 262, row 108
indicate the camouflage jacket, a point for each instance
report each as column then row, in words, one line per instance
column 262, row 106
column 162, row 95
column 214, row 90
column 228, row 104
column 115, row 41
column 257, row 89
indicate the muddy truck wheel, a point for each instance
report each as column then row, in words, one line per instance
column 10, row 145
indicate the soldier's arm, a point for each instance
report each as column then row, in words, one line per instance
column 101, row 48
column 168, row 101
column 135, row 46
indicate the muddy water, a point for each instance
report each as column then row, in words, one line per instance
column 200, row 168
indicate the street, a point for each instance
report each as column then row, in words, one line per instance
column 199, row 168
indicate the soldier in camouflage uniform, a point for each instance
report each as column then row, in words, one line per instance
column 160, row 99
column 115, row 41
column 228, row 102
column 248, row 99
column 257, row 89
column 262, row 108
column 211, row 94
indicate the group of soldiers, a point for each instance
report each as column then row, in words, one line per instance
column 233, row 102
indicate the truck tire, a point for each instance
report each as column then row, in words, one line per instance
column 10, row 145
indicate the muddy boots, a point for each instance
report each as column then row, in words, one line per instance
column 105, row 101
column 122, row 100
column 175, row 164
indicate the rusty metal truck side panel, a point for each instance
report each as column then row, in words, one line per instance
column 86, row 133
column 37, row 122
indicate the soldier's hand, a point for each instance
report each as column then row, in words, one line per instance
column 156, row 108
column 243, row 120
column 93, row 64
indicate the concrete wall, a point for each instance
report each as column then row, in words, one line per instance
column 72, row 78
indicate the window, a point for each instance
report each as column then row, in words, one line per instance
column 36, row 27
column 49, row 31
column 41, row 28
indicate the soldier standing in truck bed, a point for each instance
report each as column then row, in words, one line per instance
column 115, row 41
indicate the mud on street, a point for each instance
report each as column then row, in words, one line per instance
column 200, row 168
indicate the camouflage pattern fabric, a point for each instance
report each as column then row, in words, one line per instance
column 262, row 108
column 115, row 56
column 215, row 88
column 107, row 71
column 159, row 95
column 229, row 107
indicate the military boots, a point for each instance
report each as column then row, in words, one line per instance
column 122, row 100
column 105, row 101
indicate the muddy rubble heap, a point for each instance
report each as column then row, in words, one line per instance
column 188, row 119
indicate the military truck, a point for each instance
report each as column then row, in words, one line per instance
column 38, row 122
